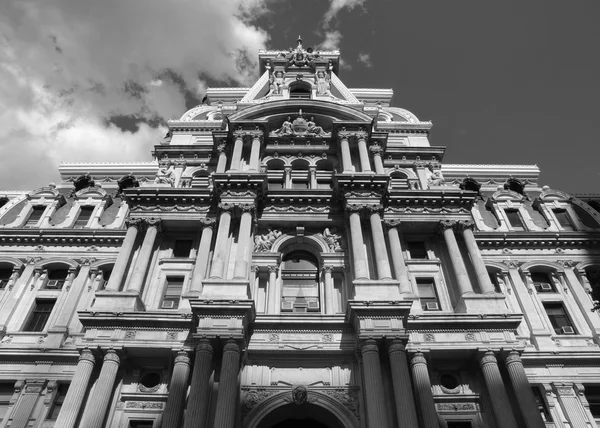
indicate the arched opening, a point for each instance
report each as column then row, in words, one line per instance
column 300, row 178
column 83, row 182
column 126, row 182
column 305, row 415
column 515, row 185
column 300, row 282
column 470, row 184
column 300, row 89
column 275, row 171
column 399, row 180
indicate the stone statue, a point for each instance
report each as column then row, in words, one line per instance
column 286, row 128
column 332, row 239
column 313, row 128
column 278, row 82
column 322, row 82
column 265, row 242
column 435, row 178
column 165, row 176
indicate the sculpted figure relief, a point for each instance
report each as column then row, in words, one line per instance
column 265, row 242
column 286, row 128
column 322, row 82
column 300, row 127
column 436, row 178
column 332, row 239
column 165, row 176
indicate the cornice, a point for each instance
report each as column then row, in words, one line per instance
column 423, row 322
column 62, row 236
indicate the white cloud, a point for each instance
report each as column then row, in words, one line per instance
column 68, row 65
column 365, row 58
column 332, row 40
column 336, row 6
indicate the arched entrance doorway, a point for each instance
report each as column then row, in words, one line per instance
column 305, row 415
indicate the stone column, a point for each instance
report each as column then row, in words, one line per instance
column 377, row 152
column 96, row 408
column 236, row 157
column 497, row 391
column 228, row 386
column 312, row 171
column 120, row 269
column 462, row 278
column 273, row 301
column 197, row 409
column 400, row 269
column 255, row 151
column 240, row 268
column 346, row 157
column 76, row 392
column 202, row 255
column 403, row 394
column 381, row 256
column 358, row 248
column 483, row 278
column 363, row 153
column 287, row 177
column 26, row 403
column 328, row 298
column 221, row 247
column 222, row 162
column 173, row 412
column 422, row 385
column 143, row 260
column 522, row 389
column 375, row 397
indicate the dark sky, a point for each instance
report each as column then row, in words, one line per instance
column 514, row 82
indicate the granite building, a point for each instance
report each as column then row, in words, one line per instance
column 298, row 255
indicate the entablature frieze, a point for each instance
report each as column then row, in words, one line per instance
column 84, row 237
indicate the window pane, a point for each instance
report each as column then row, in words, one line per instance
column 173, row 290
column 5, row 275
column 592, row 393
column 40, row 314
column 563, row 219
column 35, row 216
column 84, row 217
column 182, row 248
column 558, row 317
column 514, row 218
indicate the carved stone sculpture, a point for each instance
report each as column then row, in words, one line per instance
column 265, row 242
column 332, row 239
column 322, row 82
column 165, row 176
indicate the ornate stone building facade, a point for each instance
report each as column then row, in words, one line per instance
column 298, row 255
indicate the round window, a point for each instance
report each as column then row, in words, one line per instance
column 150, row 380
column 448, row 381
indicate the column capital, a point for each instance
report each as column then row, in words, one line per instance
column 153, row 222
column 377, row 150
column 231, row 346
column 256, row 135
column 247, row 208
column 418, row 358
column 87, row 355
column 368, row 346
column 272, row 268
column 221, row 147
column 327, row 269
column 239, row 134
column 374, row 209
column 134, row 222
column 392, row 223
column 463, row 225
column 112, row 356
column 182, row 358
column 513, row 357
column 255, row 268
column 446, row 224
column 204, row 346
column 488, row 358
column 224, row 207
column 208, row 221
column 396, row 346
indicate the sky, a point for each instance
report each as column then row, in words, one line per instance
column 508, row 82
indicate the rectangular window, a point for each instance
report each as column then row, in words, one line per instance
column 592, row 394
column 35, row 216
column 417, row 250
column 459, row 424
column 541, row 404
column 542, row 282
column 182, row 248
column 57, row 279
column 141, row 424
column 299, row 184
column 84, row 217
column 173, row 291
column 561, row 323
column 275, row 185
column 5, row 275
column 514, row 219
column 427, row 294
column 58, row 401
column 7, row 390
column 563, row 219
column 40, row 315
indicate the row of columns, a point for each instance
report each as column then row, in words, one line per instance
column 382, row 263
column 363, row 152
column 242, row 262
column 405, row 401
column 238, row 148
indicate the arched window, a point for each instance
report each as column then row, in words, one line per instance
column 399, row 180
column 300, row 89
column 470, row 184
column 300, row 282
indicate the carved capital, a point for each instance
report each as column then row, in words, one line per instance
column 354, row 208
column 208, row 221
column 247, row 208
column 239, row 135
column 376, row 150
column 221, row 147
column 256, row 135
column 111, row 356
column 86, row 355
column 488, row 358
column 369, row 346
column 182, row 358
column 134, row 222
column 392, row 223
column 445, row 225
column 466, row 224
column 272, row 268
column 510, row 264
column 513, row 358
column 396, row 346
column 231, row 346
column 154, row 222
column 374, row 209
column 204, row 346
column 418, row 358
column 327, row 269
column 255, row 268
column 225, row 207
